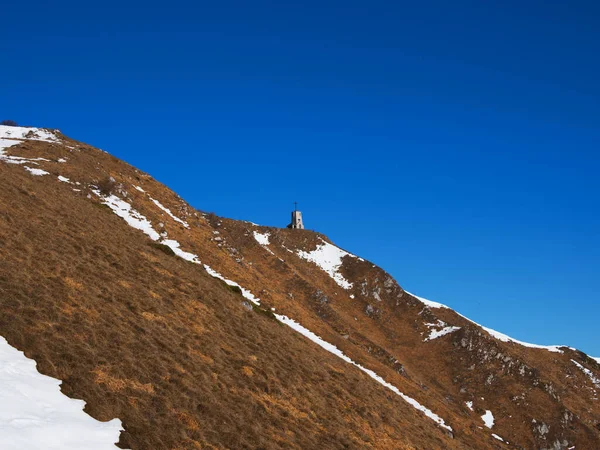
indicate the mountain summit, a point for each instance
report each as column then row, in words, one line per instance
column 197, row 331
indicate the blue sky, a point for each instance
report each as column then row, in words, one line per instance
column 455, row 144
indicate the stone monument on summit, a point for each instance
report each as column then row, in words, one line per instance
column 296, row 218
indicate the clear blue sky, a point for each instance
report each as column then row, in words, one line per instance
column 456, row 144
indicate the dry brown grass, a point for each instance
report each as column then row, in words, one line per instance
column 115, row 384
column 155, row 341
column 139, row 338
column 246, row 370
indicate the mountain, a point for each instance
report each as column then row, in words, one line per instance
column 197, row 331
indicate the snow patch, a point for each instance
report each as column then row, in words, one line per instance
column 495, row 436
column 27, row 133
column 10, row 136
column 35, row 414
column 36, row 172
column 174, row 245
column 589, row 374
column 262, row 238
column 245, row 292
column 139, row 189
column 439, row 329
column 439, row 333
column 329, row 258
column 168, row 211
column 495, row 334
column 488, row 419
column 428, row 303
column 63, row 179
column 469, row 405
column 133, row 218
column 4, row 144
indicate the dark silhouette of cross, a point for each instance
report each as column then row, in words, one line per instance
column 295, row 206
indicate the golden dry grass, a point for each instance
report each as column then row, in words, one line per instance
column 155, row 341
column 182, row 368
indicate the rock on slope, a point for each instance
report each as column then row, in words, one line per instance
column 198, row 331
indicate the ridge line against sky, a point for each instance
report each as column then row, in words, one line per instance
column 454, row 145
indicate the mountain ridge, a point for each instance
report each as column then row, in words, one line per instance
column 355, row 307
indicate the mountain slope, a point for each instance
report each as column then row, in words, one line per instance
column 111, row 283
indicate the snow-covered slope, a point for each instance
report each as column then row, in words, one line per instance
column 34, row 414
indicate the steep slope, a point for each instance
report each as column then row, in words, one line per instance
column 112, row 284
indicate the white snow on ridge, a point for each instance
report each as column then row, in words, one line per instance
column 35, row 414
column 488, row 419
column 595, row 359
column 329, row 258
column 495, row 334
column 27, row 133
column 589, row 374
column 504, row 338
column 428, row 303
column 10, row 136
column 168, row 211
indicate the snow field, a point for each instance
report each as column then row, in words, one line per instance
column 329, row 258
column 36, row 415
